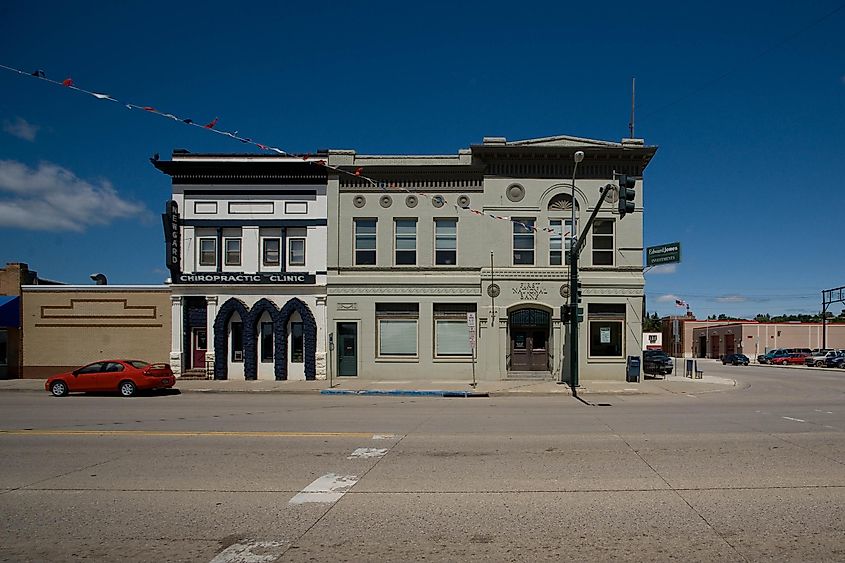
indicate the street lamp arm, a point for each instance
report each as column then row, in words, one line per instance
column 579, row 242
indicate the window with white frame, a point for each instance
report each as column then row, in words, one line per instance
column 445, row 242
column 405, row 242
column 523, row 241
column 451, row 331
column 560, row 241
column 296, row 252
column 271, row 251
column 396, row 324
column 365, row 242
column 603, row 244
column 233, row 251
column 208, row 251
column 606, row 330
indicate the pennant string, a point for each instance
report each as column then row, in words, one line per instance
column 357, row 173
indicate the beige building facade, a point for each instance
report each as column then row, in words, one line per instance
column 67, row 326
column 753, row 339
column 441, row 267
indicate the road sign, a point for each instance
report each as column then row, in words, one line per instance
column 471, row 327
column 663, row 254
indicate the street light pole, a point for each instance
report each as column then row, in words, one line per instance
column 573, row 286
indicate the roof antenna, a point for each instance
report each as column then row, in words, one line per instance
column 633, row 96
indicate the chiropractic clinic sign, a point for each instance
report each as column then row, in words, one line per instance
column 235, row 278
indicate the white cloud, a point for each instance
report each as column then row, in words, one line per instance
column 21, row 128
column 664, row 269
column 731, row 299
column 668, row 298
column 52, row 198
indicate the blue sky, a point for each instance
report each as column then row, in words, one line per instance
column 746, row 101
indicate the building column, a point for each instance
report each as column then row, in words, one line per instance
column 321, row 316
column 176, row 330
column 210, row 316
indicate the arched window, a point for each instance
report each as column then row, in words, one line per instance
column 562, row 202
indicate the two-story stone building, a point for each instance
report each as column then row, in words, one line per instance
column 427, row 254
column 246, row 239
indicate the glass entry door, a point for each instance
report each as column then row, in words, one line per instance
column 347, row 349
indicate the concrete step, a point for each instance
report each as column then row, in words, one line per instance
column 529, row 376
column 194, row 374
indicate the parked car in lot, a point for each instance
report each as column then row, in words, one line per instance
column 817, row 359
column 837, row 361
column 770, row 356
column 735, row 360
column 795, row 359
column 109, row 376
column 656, row 362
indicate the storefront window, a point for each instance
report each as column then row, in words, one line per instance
column 397, row 329
column 237, row 342
column 297, row 343
column 266, row 342
column 606, row 325
column 451, row 332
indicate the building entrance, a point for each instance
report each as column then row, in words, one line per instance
column 529, row 340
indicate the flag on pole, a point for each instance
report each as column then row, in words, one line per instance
column 681, row 303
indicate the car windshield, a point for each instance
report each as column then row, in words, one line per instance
column 137, row 364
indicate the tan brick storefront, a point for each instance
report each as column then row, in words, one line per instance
column 65, row 327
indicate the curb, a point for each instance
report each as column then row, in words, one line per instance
column 403, row 392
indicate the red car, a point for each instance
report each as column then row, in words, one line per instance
column 124, row 376
column 794, row 359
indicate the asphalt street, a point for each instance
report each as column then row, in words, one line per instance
column 753, row 472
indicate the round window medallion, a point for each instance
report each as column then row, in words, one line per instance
column 493, row 290
column 359, row 201
column 564, row 290
column 463, row 201
column 438, row 201
column 385, row 201
column 411, row 201
column 515, row 192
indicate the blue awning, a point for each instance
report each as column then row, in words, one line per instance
column 10, row 312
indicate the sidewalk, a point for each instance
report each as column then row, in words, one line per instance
column 668, row 386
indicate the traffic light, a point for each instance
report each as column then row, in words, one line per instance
column 564, row 313
column 626, row 195
column 578, row 293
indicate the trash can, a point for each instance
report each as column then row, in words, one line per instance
column 632, row 369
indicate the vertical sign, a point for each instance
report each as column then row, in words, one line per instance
column 471, row 327
column 172, row 236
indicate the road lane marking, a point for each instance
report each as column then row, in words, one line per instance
column 824, row 412
column 365, row 453
column 326, row 489
column 384, row 436
column 252, row 552
column 793, row 419
column 249, row 434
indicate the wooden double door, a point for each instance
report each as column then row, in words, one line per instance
column 529, row 340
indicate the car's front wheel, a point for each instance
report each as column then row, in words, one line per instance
column 819, row 364
column 127, row 388
column 58, row 389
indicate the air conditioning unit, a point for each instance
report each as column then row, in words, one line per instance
column 238, row 356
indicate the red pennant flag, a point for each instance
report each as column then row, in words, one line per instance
column 212, row 124
column 67, row 82
column 260, row 146
column 358, row 171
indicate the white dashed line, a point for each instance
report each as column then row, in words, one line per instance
column 364, row 453
column 252, row 552
column 326, row 489
column 824, row 412
column 793, row 419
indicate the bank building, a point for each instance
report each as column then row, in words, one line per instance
column 246, row 248
column 454, row 266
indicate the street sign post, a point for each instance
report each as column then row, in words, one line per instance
column 471, row 326
column 663, row 254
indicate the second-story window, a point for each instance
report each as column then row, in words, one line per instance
column 446, row 242
column 603, row 242
column 271, row 252
column 233, row 252
column 208, row 252
column 406, row 242
column 296, row 252
column 523, row 241
column 560, row 241
column 365, row 242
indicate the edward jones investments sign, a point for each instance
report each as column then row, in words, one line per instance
column 663, row 254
